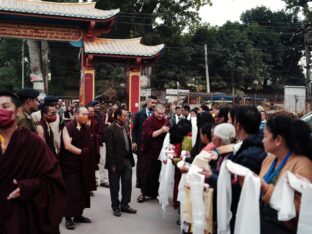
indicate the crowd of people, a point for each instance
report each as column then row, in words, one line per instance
column 228, row 170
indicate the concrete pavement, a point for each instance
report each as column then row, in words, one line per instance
column 148, row 220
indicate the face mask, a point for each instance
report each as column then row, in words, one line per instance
column 6, row 120
column 53, row 118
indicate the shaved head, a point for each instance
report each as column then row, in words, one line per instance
column 159, row 111
column 81, row 109
column 160, row 107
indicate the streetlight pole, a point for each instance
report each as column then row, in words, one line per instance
column 207, row 70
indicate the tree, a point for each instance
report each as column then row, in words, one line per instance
column 10, row 64
column 138, row 18
column 276, row 34
column 159, row 21
column 240, row 61
column 300, row 6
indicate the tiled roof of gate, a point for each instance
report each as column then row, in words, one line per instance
column 76, row 10
column 125, row 47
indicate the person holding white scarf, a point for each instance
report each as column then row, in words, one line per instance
column 250, row 154
column 201, row 120
column 289, row 145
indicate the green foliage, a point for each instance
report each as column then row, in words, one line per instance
column 142, row 18
column 264, row 49
column 159, row 21
column 300, row 7
column 10, row 65
column 65, row 68
column 276, row 34
column 261, row 52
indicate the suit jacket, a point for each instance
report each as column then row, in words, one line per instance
column 116, row 148
column 173, row 119
column 101, row 124
column 138, row 121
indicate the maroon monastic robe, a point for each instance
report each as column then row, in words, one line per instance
column 40, row 207
column 48, row 135
column 95, row 144
column 78, row 170
column 95, row 140
column 150, row 148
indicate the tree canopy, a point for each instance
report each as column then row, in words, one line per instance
column 260, row 53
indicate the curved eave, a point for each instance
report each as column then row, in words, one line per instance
column 130, row 48
column 65, row 18
column 120, row 56
column 80, row 11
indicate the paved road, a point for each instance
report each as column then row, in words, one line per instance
column 148, row 220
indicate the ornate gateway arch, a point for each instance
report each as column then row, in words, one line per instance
column 81, row 24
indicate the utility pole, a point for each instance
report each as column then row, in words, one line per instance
column 233, row 91
column 23, row 63
column 178, row 87
column 207, row 70
column 308, row 59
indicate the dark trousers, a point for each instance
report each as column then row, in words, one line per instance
column 268, row 227
column 125, row 176
column 138, row 170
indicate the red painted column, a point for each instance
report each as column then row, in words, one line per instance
column 133, row 75
column 86, row 94
column 86, row 86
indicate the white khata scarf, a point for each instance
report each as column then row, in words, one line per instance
column 248, row 206
column 166, row 177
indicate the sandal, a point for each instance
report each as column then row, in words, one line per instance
column 141, row 198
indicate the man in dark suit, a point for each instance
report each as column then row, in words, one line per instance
column 138, row 121
column 119, row 163
column 177, row 116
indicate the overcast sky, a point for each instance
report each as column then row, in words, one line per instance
column 224, row 10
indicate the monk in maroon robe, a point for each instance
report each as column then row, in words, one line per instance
column 48, row 113
column 78, row 167
column 95, row 140
column 32, row 190
column 154, row 131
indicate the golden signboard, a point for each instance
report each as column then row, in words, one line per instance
column 40, row 32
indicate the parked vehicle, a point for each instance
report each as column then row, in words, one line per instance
column 308, row 119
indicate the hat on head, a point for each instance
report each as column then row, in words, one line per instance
column 50, row 99
column 225, row 131
column 24, row 94
column 94, row 103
